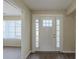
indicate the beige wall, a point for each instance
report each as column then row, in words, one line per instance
column 26, row 32
column 69, row 32
column 68, row 41
column 11, row 17
column 12, row 42
column 71, row 8
column 49, row 12
column 26, row 18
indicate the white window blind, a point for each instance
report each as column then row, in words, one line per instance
column 58, row 32
column 47, row 23
column 12, row 29
column 37, row 33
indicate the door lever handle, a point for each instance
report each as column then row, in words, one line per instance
column 54, row 35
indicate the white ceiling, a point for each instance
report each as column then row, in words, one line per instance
column 9, row 10
column 48, row 4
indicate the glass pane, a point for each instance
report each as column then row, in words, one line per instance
column 37, row 40
column 12, row 29
column 18, row 37
column 44, row 24
column 11, row 35
column 4, row 30
column 37, row 37
column 47, row 23
column 37, row 33
column 12, row 24
column 37, row 20
column 50, row 24
column 58, row 44
column 18, row 29
column 4, row 27
column 57, row 22
column 44, row 21
column 37, row 44
column 18, row 23
column 57, row 27
column 58, row 39
column 37, row 28
column 58, row 33
column 50, row 21
column 37, row 24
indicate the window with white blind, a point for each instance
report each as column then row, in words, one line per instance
column 47, row 23
column 12, row 29
column 37, row 32
column 58, row 32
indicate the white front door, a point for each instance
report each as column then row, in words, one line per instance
column 47, row 40
column 45, row 33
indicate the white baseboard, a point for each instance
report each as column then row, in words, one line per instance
column 28, row 53
column 68, row 51
column 33, row 51
column 63, row 51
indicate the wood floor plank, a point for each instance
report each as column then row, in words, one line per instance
column 11, row 53
column 52, row 56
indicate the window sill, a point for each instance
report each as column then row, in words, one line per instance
column 12, row 42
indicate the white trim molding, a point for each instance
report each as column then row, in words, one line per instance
column 68, row 51
column 72, row 7
column 28, row 53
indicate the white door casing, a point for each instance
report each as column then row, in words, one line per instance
column 47, row 34
column 47, row 31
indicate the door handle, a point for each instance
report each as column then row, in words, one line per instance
column 54, row 35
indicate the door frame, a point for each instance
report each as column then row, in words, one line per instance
column 61, row 26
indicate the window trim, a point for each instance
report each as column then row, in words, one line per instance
column 15, row 30
column 47, row 23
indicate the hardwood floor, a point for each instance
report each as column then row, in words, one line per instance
column 51, row 56
column 11, row 53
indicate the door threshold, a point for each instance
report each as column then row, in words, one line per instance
column 47, row 52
